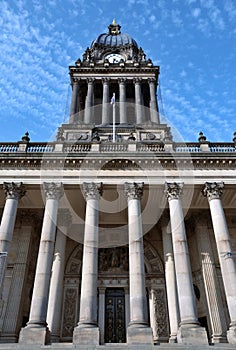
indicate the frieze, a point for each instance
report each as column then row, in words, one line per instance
column 160, row 312
column 69, row 317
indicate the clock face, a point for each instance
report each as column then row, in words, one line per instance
column 114, row 58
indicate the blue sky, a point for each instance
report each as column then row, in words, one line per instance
column 193, row 41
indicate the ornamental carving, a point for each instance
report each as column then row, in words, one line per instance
column 213, row 190
column 14, row 190
column 69, row 318
column 53, row 190
column 134, row 190
column 173, row 190
column 160, row 313
column 113, row 259
column 92, row 190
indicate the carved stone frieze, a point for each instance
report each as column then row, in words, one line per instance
column 69, row 317
column 173, row 190
column 134, row 190
column 160, row 313
column 92, row 190
column 53, row 190
column 213, row 190
column 14, row 190
column 113, row 260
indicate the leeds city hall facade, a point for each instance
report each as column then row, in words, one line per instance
column 114, row 235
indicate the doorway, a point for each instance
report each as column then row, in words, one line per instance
column 115, row 329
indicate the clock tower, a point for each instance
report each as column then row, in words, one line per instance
column 114, row 64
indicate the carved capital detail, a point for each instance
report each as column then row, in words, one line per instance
column 213, row 190
column 137, row 80
column 90, row 81
column 92, row 190
column 53, row 190
column 76, row 80
column 134, row 190
column 173, row 190
column 14, row 190
column 122, row 80
column 151, row 80
column 106, row 80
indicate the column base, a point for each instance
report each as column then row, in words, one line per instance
column 221, row 339
column 139, row 334
column 86, row 335
column 35, row 335
column 173, row 339
column 191, row 334
column 231, row 334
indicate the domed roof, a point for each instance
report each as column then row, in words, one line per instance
column 114, row 38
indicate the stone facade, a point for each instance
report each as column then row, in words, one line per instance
column 117, row 234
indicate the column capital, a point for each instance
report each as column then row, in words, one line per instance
column 137, row 80
column 53, row 190
column 151, row 80
column 14, row 190
column 106, row 80
column 90, row 81
column 122, row 80
column 134, row 190
column 173, row 190
column 213, row 190
column 92, row 190
column 76, row 80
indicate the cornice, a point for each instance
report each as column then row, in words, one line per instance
column 117, row 160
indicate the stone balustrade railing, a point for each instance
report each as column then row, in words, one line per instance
column 85, row 147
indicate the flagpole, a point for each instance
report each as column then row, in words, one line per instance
column 114, row 117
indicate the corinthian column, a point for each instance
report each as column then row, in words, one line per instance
column 190, row 331
column 213, row 192
column 105, row 101
column 36, row 331
column 73, row 106
column 138, row 100
column 89, row 103
column 87, row 331
column 57, row 278
column 122, row 88
column 13, row 191
column 138, row 330
column 153, row 101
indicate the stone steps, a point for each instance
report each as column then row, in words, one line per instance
column 65, row 346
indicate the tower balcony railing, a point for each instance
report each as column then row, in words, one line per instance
column 113, row 147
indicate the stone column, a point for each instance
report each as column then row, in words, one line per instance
column 87, row 331
column 36, row 332
column 138, row 100
column 171, row 287
column 138, row 330
column 88, row 114
column 213, row 192
column 74, row 100
column 122, row 92
column 101, row 313
column 212, row 288
column 57, row 278
column 189, row 331
column 105, row 101
column 13, row 191
column 154, row 114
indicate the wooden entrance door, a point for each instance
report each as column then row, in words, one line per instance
column 115, row 316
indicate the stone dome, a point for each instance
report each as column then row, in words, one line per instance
column 114, row 37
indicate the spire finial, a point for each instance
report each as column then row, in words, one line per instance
column 114, row 28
